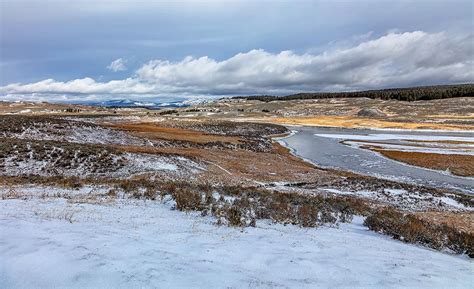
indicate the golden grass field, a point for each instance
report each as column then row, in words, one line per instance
column 355, row 122
column 461, row 165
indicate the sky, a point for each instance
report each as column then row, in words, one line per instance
column 61, row 50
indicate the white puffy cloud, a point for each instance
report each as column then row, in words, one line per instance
column 117, row 65
column 395, row 59
column 83, row 85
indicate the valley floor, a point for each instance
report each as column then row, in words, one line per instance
column 137, row 243
column 198, row 198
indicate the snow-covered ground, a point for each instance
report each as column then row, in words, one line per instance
column 132, row 164
column 409, row 143
column 405, row 200
column 381, row 136
column 52, row 243
column 78, row 134
column 417, row 148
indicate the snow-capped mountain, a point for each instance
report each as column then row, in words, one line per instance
column 136, row 103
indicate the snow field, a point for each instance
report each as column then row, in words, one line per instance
column 136, row 244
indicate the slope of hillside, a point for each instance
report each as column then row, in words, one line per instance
column 131, row 244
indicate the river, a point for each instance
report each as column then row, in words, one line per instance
column 322, row 146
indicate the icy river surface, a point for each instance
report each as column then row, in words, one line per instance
column 338, row 148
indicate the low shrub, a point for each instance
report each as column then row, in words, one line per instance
column 238, row 206
column 129, row 186
column 166, row 112
column 187, row 200
column 241, row 206
column 411, row 229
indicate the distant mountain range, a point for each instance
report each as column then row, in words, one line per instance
column 136, row 103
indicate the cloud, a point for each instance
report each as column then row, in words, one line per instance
column 392, row 60
column 82, row 86
column 117, row 65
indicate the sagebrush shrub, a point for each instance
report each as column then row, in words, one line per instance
column 411, row 229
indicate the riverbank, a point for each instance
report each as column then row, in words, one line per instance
column 330, row 148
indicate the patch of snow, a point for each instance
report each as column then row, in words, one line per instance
column 396, row 191
column 403, row 199
column 40, row 191
column 408, row 148
column 229, row 199
column 367, row 194
column 451, row 202
column 339, row 192
column 136, row 244
column 292, row 133
column 143, row 162
column 99, row 135
column 381, row 136
column 79, row 134
column 122, row 166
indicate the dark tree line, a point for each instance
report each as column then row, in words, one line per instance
column 404, row 94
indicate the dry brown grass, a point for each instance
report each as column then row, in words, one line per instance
column 92, row 200
column 457, row 112
column 278, row 165
column 413, row 229
column 355, row 122
column 60, row 155
column 459, row 220
column 60, row 181
column 242, row 206
column 156, row 132
column 452, row 116
column 461, row 165
column 12, row 193
column 243, row 165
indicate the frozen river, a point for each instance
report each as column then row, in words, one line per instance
column 323, row 147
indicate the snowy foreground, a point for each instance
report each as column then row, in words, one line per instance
column 131, row 244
